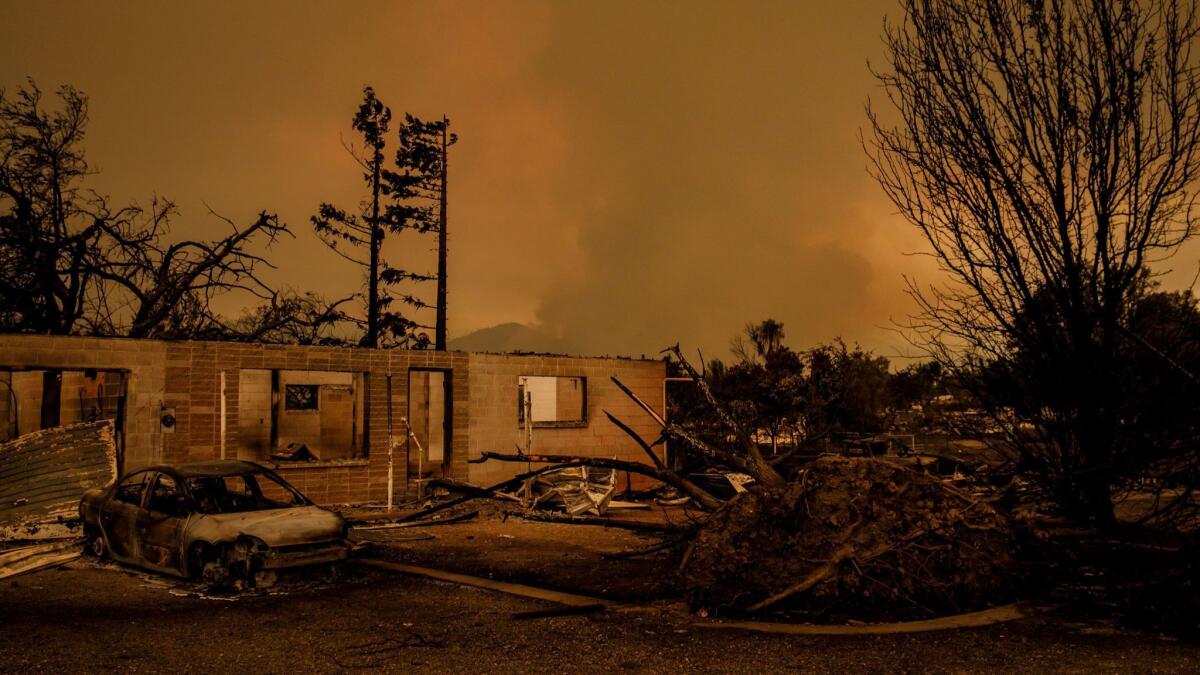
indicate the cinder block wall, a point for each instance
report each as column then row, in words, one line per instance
column 143, row 360
column 186, row 376
column 494, row 423
column 193, row 383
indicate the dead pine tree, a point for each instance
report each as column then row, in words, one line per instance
column 419, row 185
column 347, row 234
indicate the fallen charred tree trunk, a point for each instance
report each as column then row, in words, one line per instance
column 635, row 526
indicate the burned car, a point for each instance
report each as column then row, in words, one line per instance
column 222, row 521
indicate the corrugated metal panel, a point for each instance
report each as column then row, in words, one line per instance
column 43, row 474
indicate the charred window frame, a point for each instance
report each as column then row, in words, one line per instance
column 301, row 397
column 166, row 497
column 554, row 415
column 132, row 488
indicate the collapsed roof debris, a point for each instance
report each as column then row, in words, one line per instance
column 43, row 473
column 17, row 561
column 574, row 489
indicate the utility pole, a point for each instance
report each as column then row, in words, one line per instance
column 440, row 325
column 376, row 242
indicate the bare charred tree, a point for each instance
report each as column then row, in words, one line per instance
column 71, row 263
column 50, row 225
column 290, row 318
column 148, row 287
column 1047, row 151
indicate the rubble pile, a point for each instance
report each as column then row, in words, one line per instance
column 853, row 537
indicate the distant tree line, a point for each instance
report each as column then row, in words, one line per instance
column 790, row 398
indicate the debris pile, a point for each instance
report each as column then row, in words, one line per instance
column 575, row 489
column 295, row 452
column 853, row 536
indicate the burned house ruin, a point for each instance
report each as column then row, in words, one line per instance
column 325, row 416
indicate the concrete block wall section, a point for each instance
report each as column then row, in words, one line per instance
column 196, row 398
column 142, row 360
column 186, row 376
column 494, row 424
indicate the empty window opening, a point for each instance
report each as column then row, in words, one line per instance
column 301, row 415
column 31, row 400
column 552, row 401
column 166, row 499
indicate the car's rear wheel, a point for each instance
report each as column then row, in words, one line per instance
column 93, row 542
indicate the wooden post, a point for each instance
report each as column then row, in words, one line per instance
column 391, row 444
column 420, row 457
column 222, row 414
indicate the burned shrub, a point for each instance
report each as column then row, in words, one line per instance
column 860, row 537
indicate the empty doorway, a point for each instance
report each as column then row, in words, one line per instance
column 429, row 421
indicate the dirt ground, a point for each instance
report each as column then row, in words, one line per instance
column 92, row 617
column 550, row 555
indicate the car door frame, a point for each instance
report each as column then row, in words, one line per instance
column 118, row 520
column 160, row 535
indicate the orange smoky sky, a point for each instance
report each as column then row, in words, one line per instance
column 629, row 174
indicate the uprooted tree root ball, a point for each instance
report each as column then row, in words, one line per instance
column 851, row 537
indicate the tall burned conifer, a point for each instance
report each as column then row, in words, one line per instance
column 420, row 186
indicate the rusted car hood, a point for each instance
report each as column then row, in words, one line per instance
column 275, row 527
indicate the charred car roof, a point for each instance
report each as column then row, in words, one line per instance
column 217, row 468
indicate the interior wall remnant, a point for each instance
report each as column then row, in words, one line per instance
column 322, row 410
column 8, row 407
column 254, row 414
column 28, row 386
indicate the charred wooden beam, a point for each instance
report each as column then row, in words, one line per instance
column 633, row 525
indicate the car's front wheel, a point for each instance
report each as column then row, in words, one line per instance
column 93, row 542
